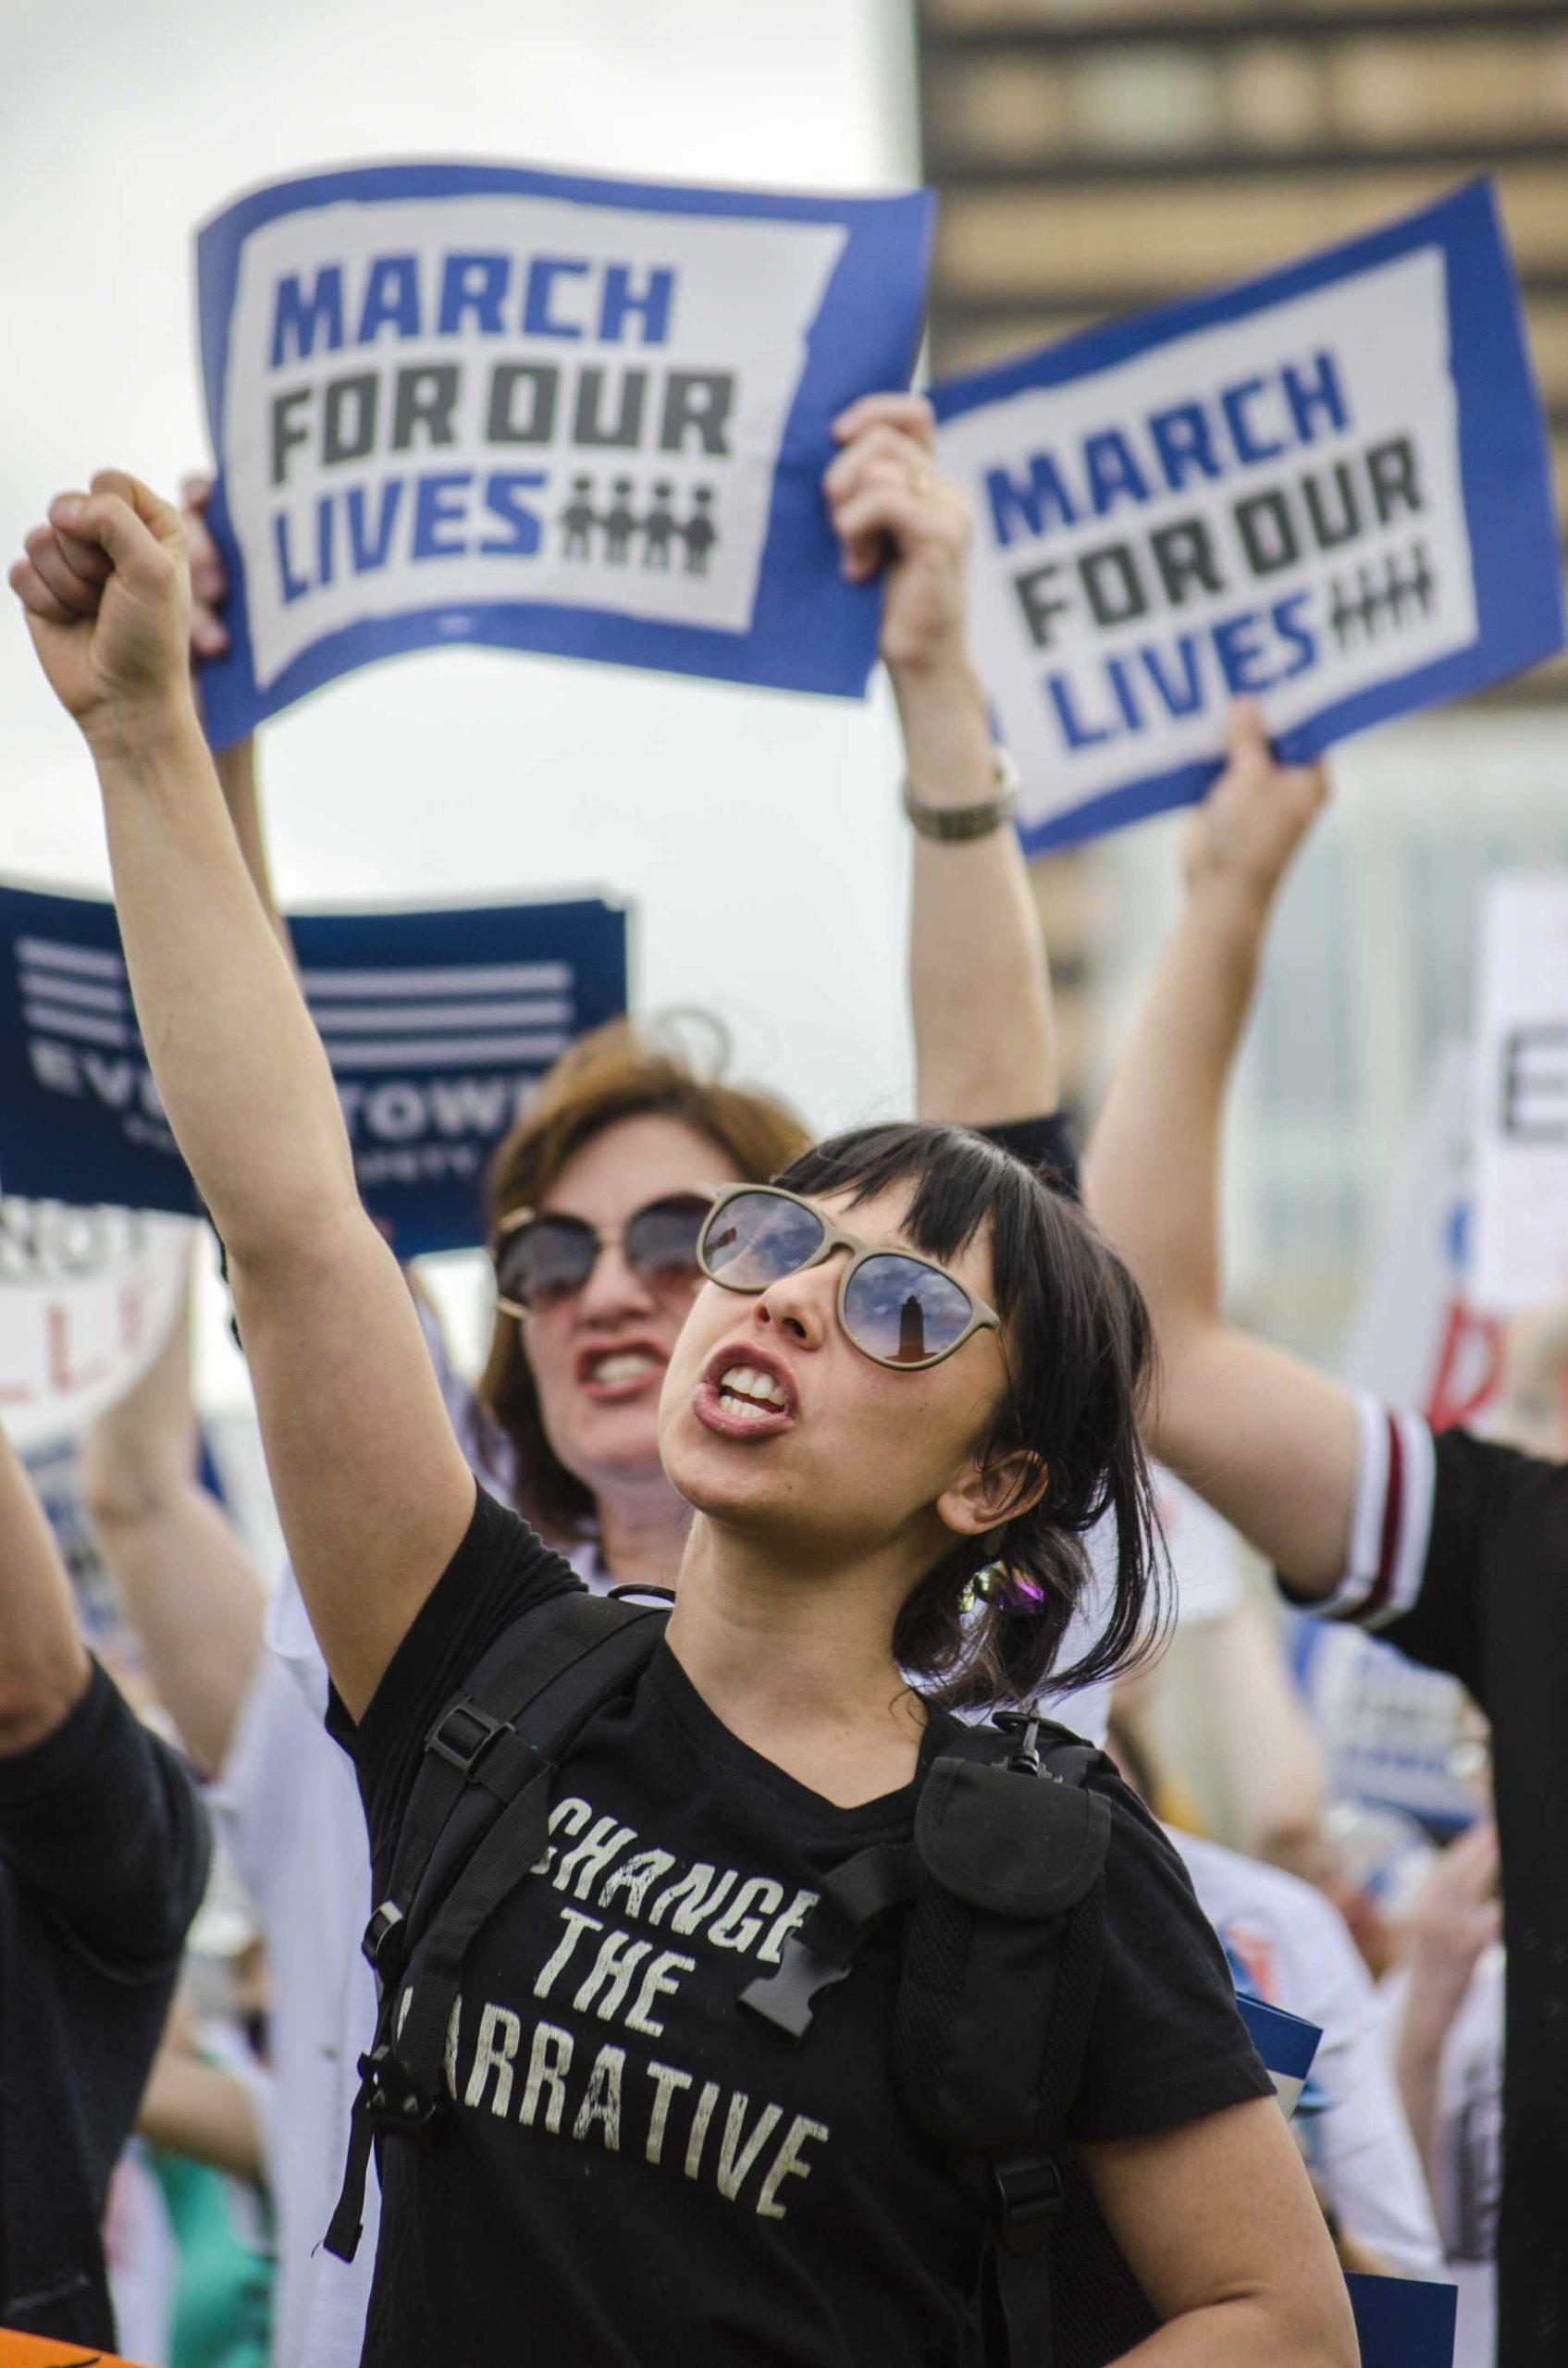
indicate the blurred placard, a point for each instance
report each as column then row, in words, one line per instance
column 87, row 1297
column 1420, row 1341
column 436, row 1023
column 472, row 402
column 1522, row 1094
column 1329, row 489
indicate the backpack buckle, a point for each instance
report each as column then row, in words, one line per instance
column 383, row 1923
column 1024, row 1727
column 390, row 2098
column 462, row 1734
column 1026, row 2195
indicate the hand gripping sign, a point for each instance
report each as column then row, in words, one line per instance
column 472, row 402
column 435, row 1024
column 1327, row 488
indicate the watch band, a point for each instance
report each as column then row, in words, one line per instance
column 954, row 823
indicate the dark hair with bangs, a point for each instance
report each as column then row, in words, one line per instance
column 1080, row 1351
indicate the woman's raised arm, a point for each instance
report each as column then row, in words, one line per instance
column 372, row 1488
column 984, row 1046
column 1269, row 1442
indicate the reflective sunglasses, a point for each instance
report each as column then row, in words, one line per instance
column 543, row 1257
column 895, row 1308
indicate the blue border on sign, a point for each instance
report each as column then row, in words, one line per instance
column 1504, row 459
column 865, row 337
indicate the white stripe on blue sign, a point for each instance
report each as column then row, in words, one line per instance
column 480, row 978
column 440, row 1051
column 386, row 1019
column 50, row 1020
column 84, row 960
column 52, row 986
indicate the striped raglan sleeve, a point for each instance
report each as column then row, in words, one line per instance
column 1425, row 1509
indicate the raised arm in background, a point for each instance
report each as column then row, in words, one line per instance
column 96, row 1816
column 193, row 1598
column 1269, row 1442
column 330, row 1333
column 43, row 1664
column 984, row 1049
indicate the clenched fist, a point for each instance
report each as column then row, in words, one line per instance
column 106, row 593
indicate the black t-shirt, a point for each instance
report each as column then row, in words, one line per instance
column 633, row 2170
column 103, row 1860
column 1464, row 1567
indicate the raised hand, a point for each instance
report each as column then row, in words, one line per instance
column 1248, row 828
column 892, row 509
column 106, row 593
column 209, row 582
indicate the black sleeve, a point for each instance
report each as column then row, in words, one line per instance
column 103, row 1822
column 502, row 1569
column 1442, row 1528
column 1494, row 1511
column 1045, row 1144
column 1167, row 2044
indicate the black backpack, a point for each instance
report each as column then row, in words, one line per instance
column 1002, row 1890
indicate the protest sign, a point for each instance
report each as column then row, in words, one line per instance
column 1522, row 1094
column 1419, row 1340
column 1327, row 488
column 1401, row 2322
column 87, row 1297
column 469, row 402
column 1286, row 2043
column 435, row 1025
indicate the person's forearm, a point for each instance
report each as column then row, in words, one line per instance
column 240, row 1069
column 984, row 1044
column 1151, row 1172
column 237, row 777
column 204, row 2112
column 1430, row 2008
column 1249, row 2333
column 190, row 1595
column 43, row 1665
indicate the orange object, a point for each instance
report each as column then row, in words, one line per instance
column 44, row 2351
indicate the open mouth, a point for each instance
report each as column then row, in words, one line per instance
column 613, row 1374
column 742, row 1395
column 746, row 1390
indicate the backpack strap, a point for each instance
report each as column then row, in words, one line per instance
column 1001, row 1972
column 477, row 1825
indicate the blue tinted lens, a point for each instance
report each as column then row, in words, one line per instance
column 757, row 1239
column 903, row 1313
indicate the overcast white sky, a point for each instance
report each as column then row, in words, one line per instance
column 756, row 834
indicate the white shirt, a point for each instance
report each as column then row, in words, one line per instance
column 1298, row 1955
column 289, row 1811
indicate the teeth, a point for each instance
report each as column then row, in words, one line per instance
column 746, row 1409
column 745, row 1383
column 626, row 1365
